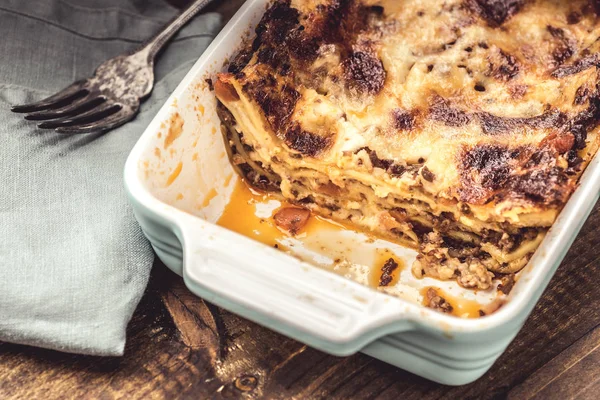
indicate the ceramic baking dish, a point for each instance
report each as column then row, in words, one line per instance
column 179, row 180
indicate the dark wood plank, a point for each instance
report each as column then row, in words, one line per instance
column 571, row 374
column 180, row 346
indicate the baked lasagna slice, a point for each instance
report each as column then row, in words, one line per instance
column 456, row 127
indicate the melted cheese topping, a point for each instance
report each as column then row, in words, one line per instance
column 431, row 50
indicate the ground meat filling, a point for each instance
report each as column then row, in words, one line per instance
column 386, row 272
column 435, row 260
column 436, row 302
column 506, row 283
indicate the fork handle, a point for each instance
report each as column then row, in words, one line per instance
column 155, row 44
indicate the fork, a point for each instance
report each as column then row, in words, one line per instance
column 112, row 96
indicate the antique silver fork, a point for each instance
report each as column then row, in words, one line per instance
column 112, row 96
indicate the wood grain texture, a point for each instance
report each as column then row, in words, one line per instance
column 572, row 373
column 180, row 346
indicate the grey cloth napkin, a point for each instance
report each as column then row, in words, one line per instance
column 73, row 262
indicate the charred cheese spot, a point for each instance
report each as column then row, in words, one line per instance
column 494, row 125
column 495, row 171
column 574, row 18
column 283, row 35
column 307, row 143
column 303, row 47
column 491, row 124
column 340, row 21
column 485, row 168
column 566, row 46
column 578, row 66
column 276, row 101
column 585, row 122
column 517, row 91
column 496, row 12
column 277, row 22
column 547, row 185
column 241, row 59
column 272, row 34
column 441, row 110
column 582, row 95
column 364, row 72
column 403, row 120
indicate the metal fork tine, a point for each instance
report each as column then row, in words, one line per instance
column 102, row 125
column 95, row 114
column 77, row 107
column 60, row 99
column 128, row 78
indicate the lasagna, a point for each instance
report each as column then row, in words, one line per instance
column 459, row 127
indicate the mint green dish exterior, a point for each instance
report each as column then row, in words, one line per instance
column 273, row 289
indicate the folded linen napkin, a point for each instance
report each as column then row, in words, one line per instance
column 73, row 262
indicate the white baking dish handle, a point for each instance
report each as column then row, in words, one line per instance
column 277, row 290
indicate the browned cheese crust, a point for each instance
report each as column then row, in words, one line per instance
column 457, row 127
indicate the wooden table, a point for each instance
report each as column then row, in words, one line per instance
column 182, row 347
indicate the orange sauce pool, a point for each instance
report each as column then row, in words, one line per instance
column 461, row 307
column 240, row 216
